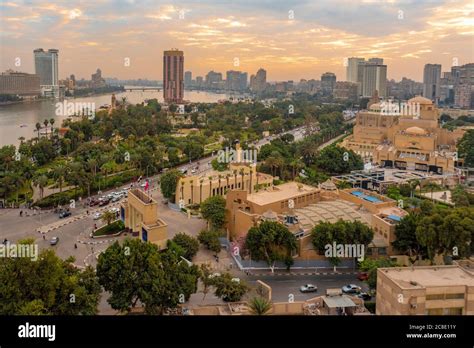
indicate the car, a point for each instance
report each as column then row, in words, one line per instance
column 116, row 198
column 362, row 276
column 193, row 171
column 351, row 289
column 103, row 202
column 97, row 216
column 114, row 210
column 143, row 185
column 183, row 170
column 54, row 241
column 365, row 296
column 64, row 214
column 308, row 288
column 93, row 202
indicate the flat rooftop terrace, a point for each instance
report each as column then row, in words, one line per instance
column 280, row 193
column 428, row 276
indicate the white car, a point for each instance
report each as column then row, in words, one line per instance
column 97, row 216
column 309, row 288
column 114, row 210
column 351, row 289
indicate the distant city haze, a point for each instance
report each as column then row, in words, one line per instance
column 291, row 40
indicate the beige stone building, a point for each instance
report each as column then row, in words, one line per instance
column 301, row 207
column 408, row 138
column 240, row 176
column 139, row 212
column 427, row 290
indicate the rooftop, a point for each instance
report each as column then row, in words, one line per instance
column 280, row 193
column 428, row 276
column 142, row 196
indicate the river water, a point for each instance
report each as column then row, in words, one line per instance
column 19, row 120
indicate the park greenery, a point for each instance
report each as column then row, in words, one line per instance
column 340, row 232
column 188, row 245
column 210, row 239
column 46, row 286
column 136, row 272
column 271, row 241
column 432, row 230
column 370, row 265
column 106, row 150
column 213, row 210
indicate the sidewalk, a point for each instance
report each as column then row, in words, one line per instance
column 302, row 272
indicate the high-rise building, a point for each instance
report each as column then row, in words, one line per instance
column 373, row 77
column 378, row 61
column 345, row 90
column 463, row 78
column 97, row 80
column 46, row 67
column 352, row 68
column 18, row 83
column 236, row 80
column 258, row 82
column 431, row 81
column 199, row 81
column 213, row 80
column 328, row 82
column 173, row 71
column 188, row 78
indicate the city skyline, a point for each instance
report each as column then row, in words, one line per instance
column 299, row 40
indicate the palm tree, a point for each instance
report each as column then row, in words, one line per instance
column 432, row 186
column 46, row 122
column 227, row 177
column 18, row 182
column 192, row 191
column 259, row 306
column 413, row 185
column 51, row 122
column 38, row 127
column 59, row 173
column 219, row 189
column 41, row 181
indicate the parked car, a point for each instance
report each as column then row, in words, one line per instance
column 103, row 202
column 309, row 288
column 351, row 289
column 114, row 210
column 93, row 202
column 365, row 296
column 64, row 214
column 97, row 216
column 362, row 276
column 54, row 241
column 116, row 198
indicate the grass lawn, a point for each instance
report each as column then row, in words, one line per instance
column 113, row 228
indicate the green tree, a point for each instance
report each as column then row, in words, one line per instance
column 271, row 241
column 213, row 210
column 228, row 288
column 406, row 241
column 370, row 266
column 466, row 148
column 137, row 272
column 189, row 244
column 338, row 160
column 108, row 216
column 168, row 183
column 47, row 285
column 210, row 239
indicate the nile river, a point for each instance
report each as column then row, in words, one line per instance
column 17, row 120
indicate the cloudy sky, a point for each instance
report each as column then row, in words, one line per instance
column 291, row 39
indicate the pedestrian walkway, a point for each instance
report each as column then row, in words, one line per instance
column 299, row 272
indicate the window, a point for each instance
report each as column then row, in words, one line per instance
column 453, row 311
column 435, row 297
column 382, row 251
column 454, row 296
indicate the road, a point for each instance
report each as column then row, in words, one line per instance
column 283, row 286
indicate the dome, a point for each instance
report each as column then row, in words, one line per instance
column 375, row 106
column 415, row 131
column 328, row 185
column 270, row 215
column 420, row 100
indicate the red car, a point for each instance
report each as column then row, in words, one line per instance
column 362, row 276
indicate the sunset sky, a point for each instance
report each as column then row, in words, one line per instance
column 290, row 39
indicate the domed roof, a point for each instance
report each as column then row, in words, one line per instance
column 415, row 130
column 420, row 100
column 270, row 215
column 375, row 106
column 328, row 185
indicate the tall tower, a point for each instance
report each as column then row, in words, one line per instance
column 173, row 76
column 46, row 66
column 431, row 81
